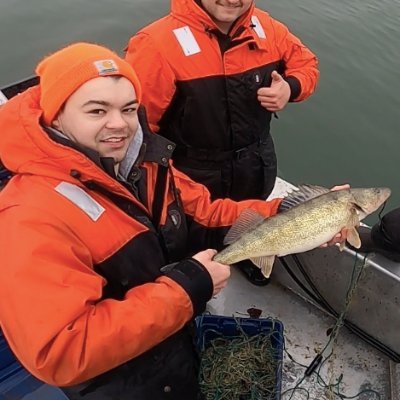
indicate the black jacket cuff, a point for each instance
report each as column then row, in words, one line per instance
column 196, row 280
column 295, row 87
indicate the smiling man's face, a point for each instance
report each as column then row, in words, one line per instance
column 225, row 12
column 101, row 115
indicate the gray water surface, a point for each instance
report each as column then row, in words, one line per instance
column 347, row 132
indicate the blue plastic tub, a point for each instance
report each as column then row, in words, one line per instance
column 16, row 383
column 6, row 356
column 210, row 327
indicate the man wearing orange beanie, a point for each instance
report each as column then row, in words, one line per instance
column 92, row 215
column 63, row 72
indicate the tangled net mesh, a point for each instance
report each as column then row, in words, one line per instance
column 239, row 368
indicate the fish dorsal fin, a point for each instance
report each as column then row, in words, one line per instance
column 301, row 195
column 265, row 264
column 247, row 220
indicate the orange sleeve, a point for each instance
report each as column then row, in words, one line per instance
column 51, row 310
column 155, row 75
column 301, row 63
column 220, row 212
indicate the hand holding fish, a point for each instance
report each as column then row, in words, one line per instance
column 340, row 187
column 219, row 273
column 339, row 238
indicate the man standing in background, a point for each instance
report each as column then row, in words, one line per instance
column 214, row 72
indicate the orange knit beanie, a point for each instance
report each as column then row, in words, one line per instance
column 63, row 72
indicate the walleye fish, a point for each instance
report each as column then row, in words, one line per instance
column 308, row 218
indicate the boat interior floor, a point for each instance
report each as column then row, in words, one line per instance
column 354, row 366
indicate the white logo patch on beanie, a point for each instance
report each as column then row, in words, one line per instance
column 105, row 67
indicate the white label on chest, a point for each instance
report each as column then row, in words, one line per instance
column 257, row 27
column 80, row 198
column 187, row 41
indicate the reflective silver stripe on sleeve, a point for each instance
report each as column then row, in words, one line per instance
column 80, row 198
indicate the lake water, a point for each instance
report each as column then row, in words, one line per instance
column 347, row 132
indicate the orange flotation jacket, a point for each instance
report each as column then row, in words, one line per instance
column 200, row 90
column 83, row 302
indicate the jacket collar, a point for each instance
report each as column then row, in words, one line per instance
column 106, row 163
column 191, row 13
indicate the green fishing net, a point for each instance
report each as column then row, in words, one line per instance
column 238, row 368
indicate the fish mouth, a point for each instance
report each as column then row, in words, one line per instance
column 380, row 197
column 383, row 194
column 386, row 192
